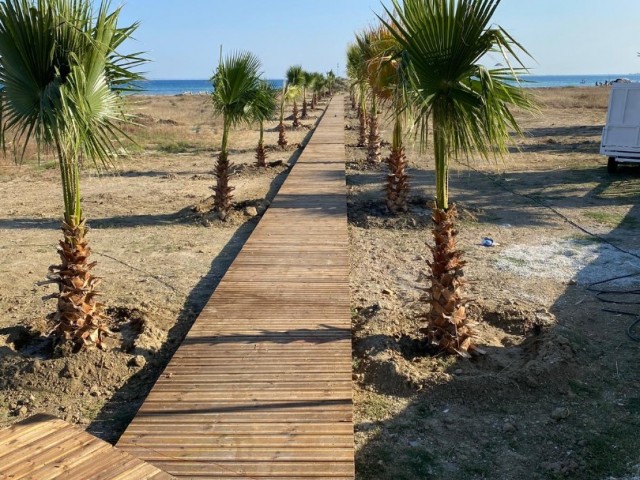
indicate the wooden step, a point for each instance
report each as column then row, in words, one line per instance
column 44, row 447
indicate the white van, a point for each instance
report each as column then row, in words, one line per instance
column 621, row 134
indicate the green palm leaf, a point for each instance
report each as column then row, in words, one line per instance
column 60, row 74
column 235, row 86
column 265, row 102
column 443, row 42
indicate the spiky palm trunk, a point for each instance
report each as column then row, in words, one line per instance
column 362, row 133
column 314, row 100
column 447, row 326
column 79, row 317
column 296, row 120
column 373, row 145
column 282, row 136
column 222, row 190
column 303, row 114
column 261, row 155
column 397, row 187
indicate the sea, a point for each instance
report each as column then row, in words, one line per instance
column 183, row 87
column 198, row 87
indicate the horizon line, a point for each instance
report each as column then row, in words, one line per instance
column 525, row 74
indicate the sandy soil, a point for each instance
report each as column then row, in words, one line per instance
column 556, row 395
column 159, row 252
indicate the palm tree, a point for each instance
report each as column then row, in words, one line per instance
column 331, row 81
column 236, row 85
column 369, row 47
column 289, row 94
column 357, row 72
column 295, row 78
column 262, row 108
column 61, row 77
column 317, row 84
column 307, row 79
column 467, row 105
column 387, row 78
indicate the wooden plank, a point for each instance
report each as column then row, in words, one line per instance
column 252, row 470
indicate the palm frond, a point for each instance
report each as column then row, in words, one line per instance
column 236, row 83
column 444, row 43
column 295, row 76
column 265, row 102
column 61, row 71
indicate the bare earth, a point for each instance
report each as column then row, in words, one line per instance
column 557, row 393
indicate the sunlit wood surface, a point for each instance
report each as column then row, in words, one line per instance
column 46, row 448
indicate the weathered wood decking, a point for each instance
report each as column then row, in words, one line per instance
column 46, row 448
column 261, row 386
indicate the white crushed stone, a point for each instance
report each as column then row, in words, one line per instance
column 564, row 260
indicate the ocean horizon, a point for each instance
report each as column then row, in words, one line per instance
column 200, row 87
column 184, row 87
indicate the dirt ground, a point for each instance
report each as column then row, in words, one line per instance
column 557, row 393
column 159, row 251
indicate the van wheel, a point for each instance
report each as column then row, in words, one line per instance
column 612, row 165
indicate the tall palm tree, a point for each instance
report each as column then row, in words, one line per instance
column 295, row 78
column 236, row 85
column 61, row 76
column 468, row 107
column 262, row 108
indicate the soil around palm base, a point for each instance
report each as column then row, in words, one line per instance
column 557, row 393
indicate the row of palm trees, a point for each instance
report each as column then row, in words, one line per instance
column 424, row 61
column 61, row 80
column 297, row 82
column 240, row 96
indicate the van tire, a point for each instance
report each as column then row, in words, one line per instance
column 612, row 165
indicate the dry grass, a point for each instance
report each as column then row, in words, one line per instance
column 569, row 98
column 162, row 124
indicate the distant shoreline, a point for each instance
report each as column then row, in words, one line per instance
column 203, row 87
column 183, row 87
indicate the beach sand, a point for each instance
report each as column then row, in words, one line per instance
column 556, row 395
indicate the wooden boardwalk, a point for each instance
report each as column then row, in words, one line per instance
column 261, row 386
column 46, row 448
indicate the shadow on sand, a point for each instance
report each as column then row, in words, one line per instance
column 564, row 403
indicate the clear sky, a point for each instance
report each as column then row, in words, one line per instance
column 183, row 37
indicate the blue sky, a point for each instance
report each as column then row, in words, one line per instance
column 183, row 37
